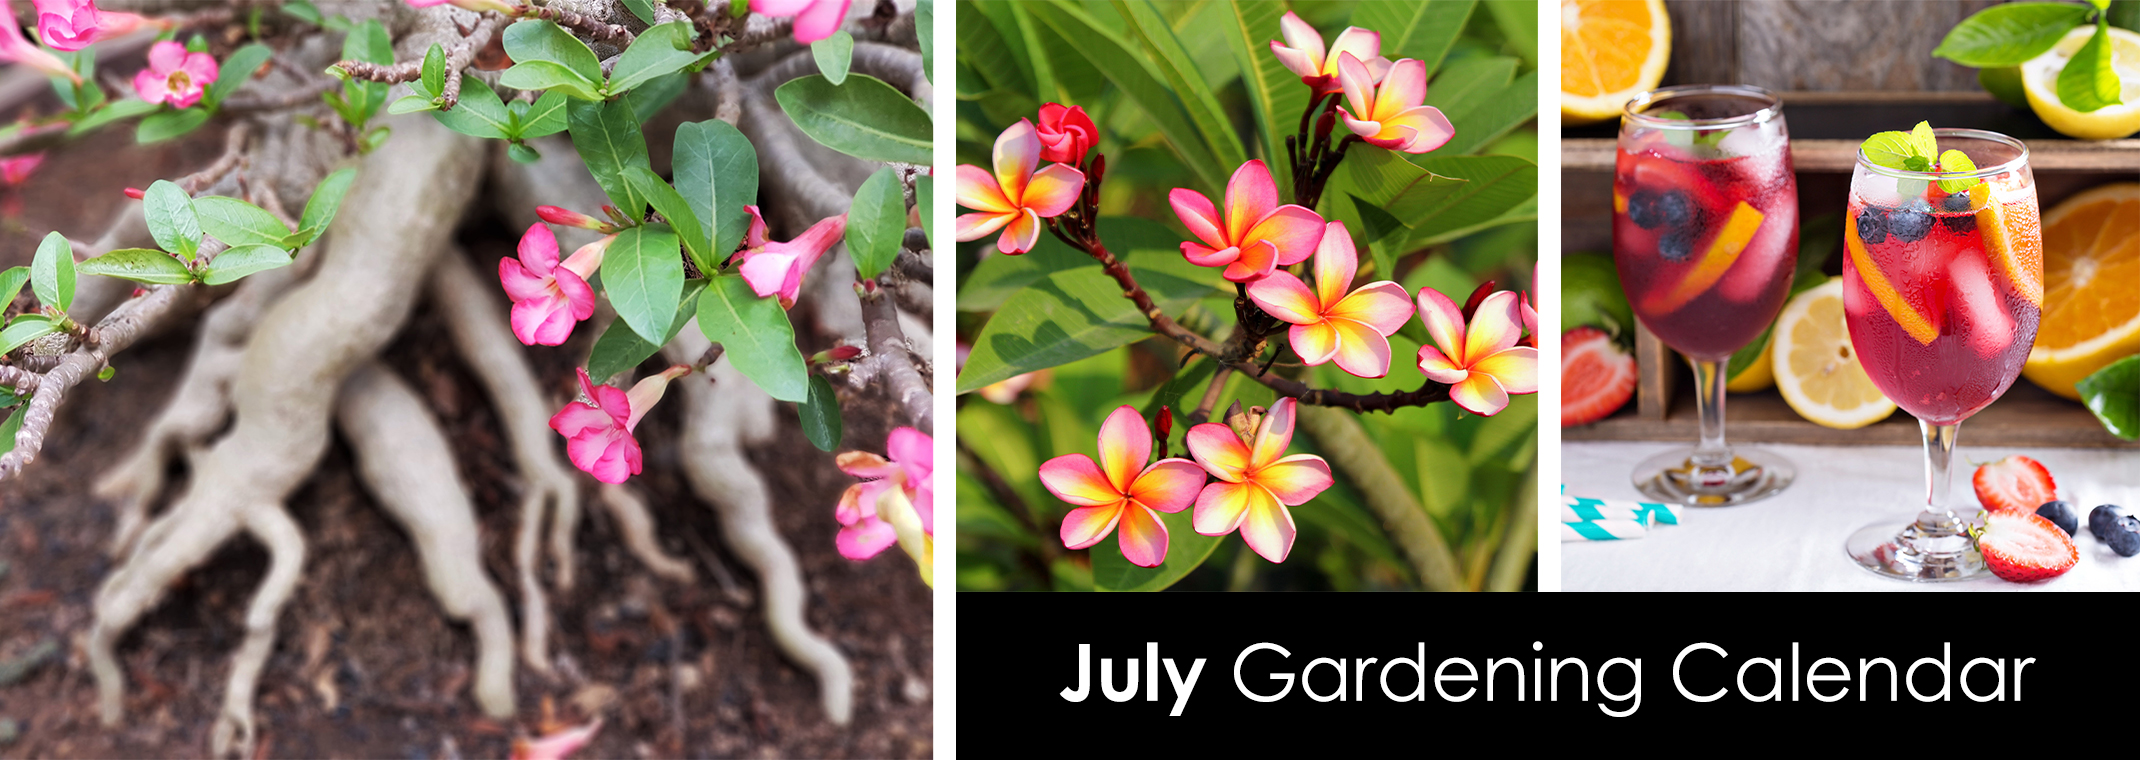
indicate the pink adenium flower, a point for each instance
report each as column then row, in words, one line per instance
column 1391, row 114
column 17, row 169
column 1330, row 322
column 478, row 6
column 1122, row 490
column 1482, row 365
column 911, row 468
column 15, row 48
column 599, row 431
column 772, row 267
column 556, row 745
column 814, row 19
column 175, row 76
column 1065, row 133
column 74, row 24
column 565, row 217
column 549, row 297
column 1256, row 235
column 1303, row 53
column 1015, row 198
column 1255, row 481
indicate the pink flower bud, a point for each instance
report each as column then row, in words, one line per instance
column 568, row 218
column 135, row 193
column 1065, row 133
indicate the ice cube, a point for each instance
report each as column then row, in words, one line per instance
column 1979, row 313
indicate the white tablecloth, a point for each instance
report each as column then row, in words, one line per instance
column 1794, row 541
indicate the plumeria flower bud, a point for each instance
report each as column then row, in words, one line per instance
column 1065, row 133
column 565, row 217
column 74, row 24
column 814, row 19
column 1478, row 296
column 174, row 75
column 1392, row 114
column 1255, row 235
column 1015, row 198
column 836, row 354
column 17, row 170
column 1121, row 490
column 550, row 297
column 1303, row 53
column 15, row 48
column 1254, row 482
column 777, row 268
column 598, row 432
column 1481, row 363
column 478, row 6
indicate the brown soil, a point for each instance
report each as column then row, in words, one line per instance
column 365, row 665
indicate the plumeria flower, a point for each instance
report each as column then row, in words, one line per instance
column 1390, row 114
column 1482, row 364
column 1122, row 490
column 175, row 76
column 74, row 24
column 1015, row 198
column 549, row 297
column 814, row 19
column 1065, row 133
column 598, row 432
column 1256, row 235
column 1330, row 322
column 910, row 468
column 1318, row 68
column 772, row 267
column 478, row 6
column 1255, row 481
column 15, row 48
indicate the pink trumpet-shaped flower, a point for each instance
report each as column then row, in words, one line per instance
column 478, row 6
column 549, row 297
column 74, row 24
column 911, row 468
column 1330, row 322
column 1255, row 482
column 814, row 19
column 599, row 431
column 1303, row 52
column 1015, row 198
column 1065, row 133
column 1482, row 365
column 15, row 48
column 175, row 76
column 17, row 169
column 1122, row 490
column 556, row 745
column 1390, row 114
column 772, row 267
column 1256, row 235
column 569, row 218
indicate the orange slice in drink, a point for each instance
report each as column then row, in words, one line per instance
column 1869, row 273
column 1723, row 252
column 1611, row 51
column 2013, row 241
column 2091, row 311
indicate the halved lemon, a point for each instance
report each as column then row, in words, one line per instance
column 1610, row 51
column 1816, row 368
column 2091, row 304
column 2039, row 81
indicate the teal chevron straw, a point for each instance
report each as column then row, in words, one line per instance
column 1601, row 530
column 1573, row 508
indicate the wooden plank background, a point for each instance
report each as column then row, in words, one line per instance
column 1817, row 44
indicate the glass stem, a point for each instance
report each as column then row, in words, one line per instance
column 1709, row 404
column 1939, row 452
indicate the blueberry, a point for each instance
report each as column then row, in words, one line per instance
column 2125, row 537
column 2103, row 519
column 1676, row 245
column 1963, row 224
column 1872, row 226
column 1955, row 202
column 1909, row 225
column 1676, row 207
column 2061, row 513
column 1643, row 211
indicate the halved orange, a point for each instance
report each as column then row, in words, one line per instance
column 2091, row 307
column 1610, row 51
column 1723, row 252
column 1869, row 273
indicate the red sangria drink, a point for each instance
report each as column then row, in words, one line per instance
column 1705, row 237
column 1942, row 290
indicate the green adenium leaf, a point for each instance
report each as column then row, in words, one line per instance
column 321, row 207
column 876, row 223
column 237, row 70
column 434, row 70
column 658, row 51
column 756, row 335
column 833, row 54
column 821, row 415
column 673, row 208
column 644, row 276
column 609, row 138
column 717, row 174
column 52, row 272
column 478, row 114
column 164, row 125
column 533, row 40
column 24, row 329
column 139, row 265
column 243, row 260
column 11, row 282
column 236, row 222
column 171, row 219
column 862, row 117
column 620, row 348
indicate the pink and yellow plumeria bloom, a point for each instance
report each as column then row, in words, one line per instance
column 175, row 76
column 599, row 431
column 74, row 24
column 549, row 297
column 911, row 466
column 1329, row 322
column 1121, row 490
column 15, row 48
column 1303, row 53
column 1482, row 364
column 814, row 19
column 778, row 268
column 1255, row 235
column 1015, row 198
column 1392, row 114
column 1255, row 481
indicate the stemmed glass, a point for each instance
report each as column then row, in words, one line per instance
column 1705, row 236
column 1942, row 289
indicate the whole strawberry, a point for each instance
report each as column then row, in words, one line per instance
column 2023, row 546
column 2015, row 483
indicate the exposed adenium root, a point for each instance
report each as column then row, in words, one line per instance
column 408, row 465
column 721, row 417
column 637, row 526
column 284, row 390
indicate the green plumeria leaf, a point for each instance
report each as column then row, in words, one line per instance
column 756, row 336
column 833, row 54
column 171, row 219
column 52, row 272
column 821, row 415
column 139, row 265
column 876, row 223
column 1957, row 162
column 243, row 260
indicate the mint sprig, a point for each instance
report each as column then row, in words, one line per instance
column 1918, row 151
column 1690, row 137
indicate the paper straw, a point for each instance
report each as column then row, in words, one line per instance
column 1585, row 508
column 1601, row 530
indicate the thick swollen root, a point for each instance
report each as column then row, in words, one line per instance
column 637, row 526
column 405, row 460
column 477, row 320
column 286, row 386
column 719, row 419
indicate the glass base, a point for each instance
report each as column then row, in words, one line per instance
column 1674, row 477
column 1921, row 550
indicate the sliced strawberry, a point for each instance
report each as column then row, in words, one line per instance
column 1597, row 377
column 2016, row 483
column 2023, row 547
